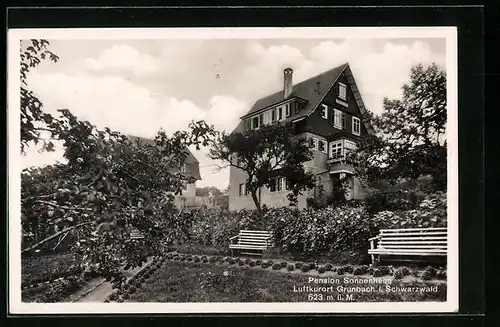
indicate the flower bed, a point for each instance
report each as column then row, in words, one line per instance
column 191, row 281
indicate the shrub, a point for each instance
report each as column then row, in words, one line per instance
column 231, row 261
column 398, row 273
column 131, row 290
column 312, row 265
column 283, row 264
column 196, row 259
column 321, row 269
column 276, row 266
column 290, row 267
column 441, row 274
column 360, row 270
column 298, row 265
column 241, row 262
column 328, row 267
column 125, row 296
column 270, row 262
column 138, row 285
column 264, row 265
column 381, row 271
column 258, row 262
column 247, row 261
column 113, row 296
column 429, row 273
column 252, row 263
column 190, row 259
column 305, row 268
column 348, row 269
column 340, row 270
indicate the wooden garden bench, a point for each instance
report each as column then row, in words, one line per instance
column 409, row 242
column 136, row 235
column 251, row 240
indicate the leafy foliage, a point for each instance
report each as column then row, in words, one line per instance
column 410, row 141
column 265, row 153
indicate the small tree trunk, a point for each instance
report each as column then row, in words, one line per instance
column 256, row 201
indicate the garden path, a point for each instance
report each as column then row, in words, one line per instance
column 103, row 288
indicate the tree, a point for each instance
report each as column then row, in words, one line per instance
column 263, row 154
column 410, row 141
column 33, row 119
column 109, row 186
column 205, row 191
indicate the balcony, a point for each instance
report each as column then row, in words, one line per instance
column 339, row 164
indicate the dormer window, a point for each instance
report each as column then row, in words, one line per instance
column 183, row 169
column 323, row 111
column 342, row 91
column 313, row 143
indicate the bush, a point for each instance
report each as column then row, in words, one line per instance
column 196, row 259
column 247, row 261
column 305, row 268
column 429, row 273
column 290, row 267
column 312, row 265
column 258, row 262
column 431, row 212
column 231, row 261
column 252, row 263
column 321, row 269
column 298, row 265
column 241, row 262
column 441, row 274
column 283, row 264
column 381, row 271
column 131, row 290
column 328, row 267
column 340, row 270
column 270, row 262
column 360, row 270
column 276, row 266
column 264, row 265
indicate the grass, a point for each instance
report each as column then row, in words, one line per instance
column 198, row 282
column 41, row 268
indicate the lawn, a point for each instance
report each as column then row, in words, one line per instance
column 205, row 282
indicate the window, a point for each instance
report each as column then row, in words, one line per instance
column 255, row 122
column 273, row 185
column 242, row 189
column 336, row 150
column 323, row 111
column 248, row 124
column 283, row 184
column 356, row 126
column 322, row 146
column 338, row 119
column 313, row 143
column 287, row 110
column 280, row 184
column 280, row 113
column 183, row 169
column 273, row 115
column 342, row 91
column 261, row 120
column 349, row 146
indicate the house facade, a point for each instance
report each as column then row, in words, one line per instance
column 329, row 112
column 191, row 168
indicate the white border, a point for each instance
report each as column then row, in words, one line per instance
column 15, row 35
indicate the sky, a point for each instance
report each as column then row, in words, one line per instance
column 139, row 86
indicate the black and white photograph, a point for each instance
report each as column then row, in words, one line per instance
column 233, row 170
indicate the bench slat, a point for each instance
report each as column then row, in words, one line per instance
column 253, row 236
column 415, row 229
column 238, row 246
column 412, row 239
column 408, row 250
column 414, row 234
column 413, row 242
column 413, row 246
column 255, row 231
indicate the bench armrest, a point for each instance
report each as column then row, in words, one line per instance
column 232, row 238
column 372, row 241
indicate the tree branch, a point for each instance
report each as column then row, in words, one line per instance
column 31, row 248
column 62, row 207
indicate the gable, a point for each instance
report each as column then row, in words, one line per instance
column 314, row 90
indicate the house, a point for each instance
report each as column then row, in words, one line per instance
column 328, row 110
column 190, row 168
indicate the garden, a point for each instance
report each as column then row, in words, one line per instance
column 78, row 218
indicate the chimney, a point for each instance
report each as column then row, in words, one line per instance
column 287, row 82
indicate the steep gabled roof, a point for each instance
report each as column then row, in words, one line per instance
column 192, row 164
column 312, row 92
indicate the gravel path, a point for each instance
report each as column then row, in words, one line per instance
column 103, row 288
